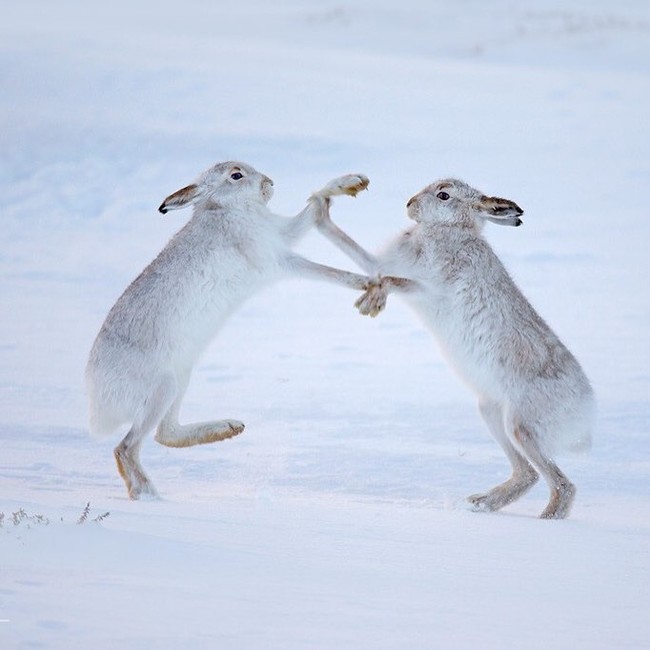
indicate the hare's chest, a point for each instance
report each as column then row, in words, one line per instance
column 415, row 257
column 402, row 257
column 243, row 257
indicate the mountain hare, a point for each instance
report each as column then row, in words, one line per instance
column 533, row 394
column 233, row 246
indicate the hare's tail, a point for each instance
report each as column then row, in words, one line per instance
column 573, row 433
column 101, row 422
column 106, row 412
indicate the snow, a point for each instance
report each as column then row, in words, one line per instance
column 337, row 520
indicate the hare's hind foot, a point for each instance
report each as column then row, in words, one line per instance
column 176, row 435
column 350, row 184
column 563, row 492
column 561, row 501
column 137, row 482
column 503, row 494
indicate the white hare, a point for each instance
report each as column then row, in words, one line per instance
column 233, row 246
column 533, row 394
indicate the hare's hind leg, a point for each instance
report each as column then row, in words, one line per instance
column 127, row 453
column 562, row 490
column 523, row 476
column 127, row 457
column 172, row 434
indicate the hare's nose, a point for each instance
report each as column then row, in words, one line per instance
column 266, row 179
column 411, row 201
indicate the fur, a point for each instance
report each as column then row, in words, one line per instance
column 232, row 247
column 532, row 393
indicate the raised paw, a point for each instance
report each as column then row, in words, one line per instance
column 372, row 301
column 230, row 429
column 350, row 184
column 203, row 433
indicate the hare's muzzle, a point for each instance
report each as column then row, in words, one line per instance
column 413, row 208
column 266, row 188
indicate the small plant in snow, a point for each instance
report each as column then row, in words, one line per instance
column 20, row 517
column 86, row 512
column 84, row 515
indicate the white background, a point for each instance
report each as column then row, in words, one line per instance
column 338, row 519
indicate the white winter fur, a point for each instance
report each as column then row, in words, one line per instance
column 233, row 246
column 532, row 392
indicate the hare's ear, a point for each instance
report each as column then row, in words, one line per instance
column 500, row 211
column 180, row 199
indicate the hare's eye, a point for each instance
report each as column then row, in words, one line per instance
column 236, row 176
column 443, row 196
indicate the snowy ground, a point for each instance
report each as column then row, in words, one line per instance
column 337, row 520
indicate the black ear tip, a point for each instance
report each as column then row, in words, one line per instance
column 518, row 222
column 162, row 209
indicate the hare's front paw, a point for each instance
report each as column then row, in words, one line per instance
column 373, row 301
column 350, row 184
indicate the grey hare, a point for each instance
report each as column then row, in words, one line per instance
column 533, row 394
column 233, row 246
